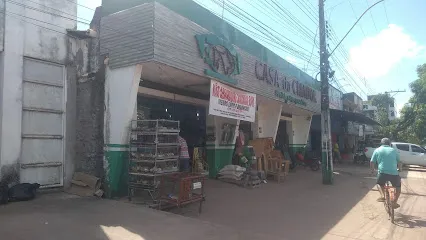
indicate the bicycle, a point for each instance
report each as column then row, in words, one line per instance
column 389, row 192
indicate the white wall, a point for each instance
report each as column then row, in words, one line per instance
column 301, row 126
column 121, row 90
column 268, row 118
column 22, row 38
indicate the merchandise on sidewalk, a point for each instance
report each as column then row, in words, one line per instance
column 180, row 189
column 240, row 176
column 154, row 152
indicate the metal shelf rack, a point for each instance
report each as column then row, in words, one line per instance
column 153, row 153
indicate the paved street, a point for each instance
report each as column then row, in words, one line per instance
column 300, row 208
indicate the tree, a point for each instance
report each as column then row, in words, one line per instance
column 411, row 127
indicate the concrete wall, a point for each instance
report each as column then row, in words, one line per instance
column 152, row 32
column 90, row 101
column 121, row 89
column 268, row 118
column 301, row 126
column 128, row 37
column 24, row 39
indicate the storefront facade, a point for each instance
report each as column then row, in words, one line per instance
column 171, row 55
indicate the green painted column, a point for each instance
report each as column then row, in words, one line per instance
column 294, row 148
column 116, row 170
column 218, row 157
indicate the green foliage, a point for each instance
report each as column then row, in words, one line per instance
column 411, row 127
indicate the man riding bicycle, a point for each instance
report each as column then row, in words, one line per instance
column 387, row 160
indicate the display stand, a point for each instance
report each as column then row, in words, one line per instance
column 181, row 189
column 153, row 153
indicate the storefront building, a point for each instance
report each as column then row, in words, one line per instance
column 347, row 124
column 187, row 64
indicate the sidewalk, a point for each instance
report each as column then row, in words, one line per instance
column 302, row 208
column 299, row 208
column 65, row 217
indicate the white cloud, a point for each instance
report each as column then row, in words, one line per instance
column 376, row 55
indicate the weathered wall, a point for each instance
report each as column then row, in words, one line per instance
column 132, row 36
column 24, row 39
column 301, row 126
column 269, row 113
column 90, row 118
column 90, row 108
column 128, row 37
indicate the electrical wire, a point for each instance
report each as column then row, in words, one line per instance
column 286, row 18
column 274, row 42
column 386, row 12
column 307, row 14
column 371, row 15
column 355, row 15
column 262, row 28
column 243, row 14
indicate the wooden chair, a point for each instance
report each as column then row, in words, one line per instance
column 271, row 161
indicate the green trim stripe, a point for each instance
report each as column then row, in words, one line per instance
column 116, row 147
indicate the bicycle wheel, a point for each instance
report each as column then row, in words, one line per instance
column 386, row 203
column 391, row 209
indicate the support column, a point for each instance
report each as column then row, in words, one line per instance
column 268, row 118
column 300, row 133
column 11, row 70
column 121, row 90
column 220, row 151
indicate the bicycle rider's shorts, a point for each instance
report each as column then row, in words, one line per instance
column 394, row 179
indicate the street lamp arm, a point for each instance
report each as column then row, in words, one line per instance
column 354, row 26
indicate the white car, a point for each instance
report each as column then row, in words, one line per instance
column 410, row 154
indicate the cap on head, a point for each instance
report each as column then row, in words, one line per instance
column 385, row 141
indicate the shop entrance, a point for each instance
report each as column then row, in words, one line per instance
column 192, row 118
column 282, row 138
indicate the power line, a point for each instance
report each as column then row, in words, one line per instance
column 298, row 25
column 81, row 5
column 282, row 18
column 386, row 12
column 355, row 15
column 371, row 15
column 313, row 49
column 240, row 14
column 272, row 42
column 309, row 15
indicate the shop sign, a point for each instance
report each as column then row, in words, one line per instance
column 221, row 56
column 288, row 85
column 289, row 99
column 336, row 97
column 228, row 102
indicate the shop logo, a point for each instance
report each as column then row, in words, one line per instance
column 272, row 77
column 221, row 56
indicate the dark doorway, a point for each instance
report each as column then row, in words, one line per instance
column 282, row 138
column 192, row 118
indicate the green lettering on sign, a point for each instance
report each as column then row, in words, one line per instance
column 288, row 98
column 222, row 58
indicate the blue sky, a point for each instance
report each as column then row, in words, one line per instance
column 380, row 54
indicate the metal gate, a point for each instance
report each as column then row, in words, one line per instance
column 43, row 121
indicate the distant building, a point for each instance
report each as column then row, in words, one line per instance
column 370, row 109
column 352, row 102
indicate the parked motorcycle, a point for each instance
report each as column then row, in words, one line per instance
column 360, row 157
column 312, row 161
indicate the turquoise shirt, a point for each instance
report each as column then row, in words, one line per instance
column 387, row 159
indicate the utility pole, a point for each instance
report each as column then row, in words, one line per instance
column 388, row 94
column 326, row 154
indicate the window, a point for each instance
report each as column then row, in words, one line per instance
column 417, row 149
column 403, row 147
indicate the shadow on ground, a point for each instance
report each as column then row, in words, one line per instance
column 299, row 208
column 408, row 221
